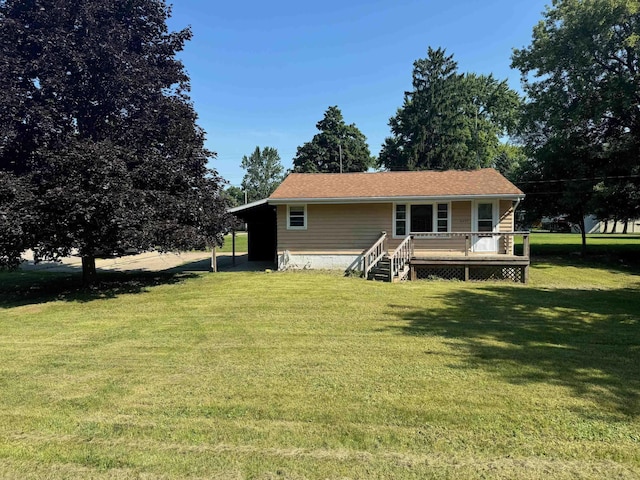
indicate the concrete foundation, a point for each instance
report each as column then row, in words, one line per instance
column 289, row 261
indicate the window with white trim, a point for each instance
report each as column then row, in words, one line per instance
column 421, row 218
column 401, row 220
column 296, row 217
column 485, row 217
column 442, row 221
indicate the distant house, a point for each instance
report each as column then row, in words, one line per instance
column 392, row 225
column 593, row 225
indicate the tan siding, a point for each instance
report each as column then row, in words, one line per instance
column 354, row 228
column 452, row 244
column 506, row 225
column 336, row 228
column 460, row 222
column 506, row 216
column 461, row 216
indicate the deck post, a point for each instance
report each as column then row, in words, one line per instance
column 525, row 245
column 525, row 274
column 414, row 277
column 467, row 245
column 466, row 273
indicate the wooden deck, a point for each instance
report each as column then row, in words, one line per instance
column 470, row 267
column 409, row 263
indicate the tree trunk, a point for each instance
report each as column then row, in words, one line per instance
column 583, row 232
column 89, row 274
column 626, row 226
column 606, row 225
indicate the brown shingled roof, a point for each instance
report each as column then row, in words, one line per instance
column 394, row 184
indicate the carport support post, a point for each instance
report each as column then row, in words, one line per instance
column 233, row 246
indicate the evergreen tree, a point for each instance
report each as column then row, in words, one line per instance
column 449, row 120
column 338, row 147
column 264, row 173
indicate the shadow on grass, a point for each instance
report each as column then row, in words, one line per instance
column 613, row 263
column 30, row 287
column 585, row 340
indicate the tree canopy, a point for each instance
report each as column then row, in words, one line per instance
column 581, row 124
column 449, row 120
column 337, row 148
column 99, row 147
column 235, row 195
column 264, row 173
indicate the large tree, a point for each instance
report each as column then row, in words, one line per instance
column 235, row 195
column 581, row 123
column 264, row 173
column 449, row 120
column 337, row 148
column 99, row 148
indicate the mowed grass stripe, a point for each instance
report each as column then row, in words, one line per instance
column 312, row 375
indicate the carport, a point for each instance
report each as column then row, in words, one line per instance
column 260, row 218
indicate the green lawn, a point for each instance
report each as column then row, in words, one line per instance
column 241, row 243
column 598, row 245
column 314, row 375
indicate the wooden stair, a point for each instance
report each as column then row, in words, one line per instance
column 380, row 271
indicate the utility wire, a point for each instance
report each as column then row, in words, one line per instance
column 584, row 179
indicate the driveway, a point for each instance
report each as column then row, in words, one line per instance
column 149, row 262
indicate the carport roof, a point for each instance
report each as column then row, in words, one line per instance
column 247, row 206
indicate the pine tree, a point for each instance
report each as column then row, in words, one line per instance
column 449, row 120
column 264, row 173
column 337, row 148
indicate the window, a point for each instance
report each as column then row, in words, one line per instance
column 485, row 217
column 421, row 218
column 443, row 217
column 401, row 220
column 296, row 217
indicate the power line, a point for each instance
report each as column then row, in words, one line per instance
column 584, row 179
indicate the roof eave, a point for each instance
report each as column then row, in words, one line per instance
column 447, row 198
column 248, row 206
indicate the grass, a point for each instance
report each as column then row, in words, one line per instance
column 241, row 243
column 314, row 375
column 598, row 245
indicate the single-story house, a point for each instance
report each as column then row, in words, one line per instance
column 362, row 221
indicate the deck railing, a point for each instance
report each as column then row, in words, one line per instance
column 400, row 258
column 374, row 254
column 504, row 242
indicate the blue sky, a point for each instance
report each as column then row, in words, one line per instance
column 263, row 73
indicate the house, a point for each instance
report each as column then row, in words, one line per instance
column 391, row 224
column 593, row 225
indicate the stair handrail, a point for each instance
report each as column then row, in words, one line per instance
column 374, row 254
column 401, row 257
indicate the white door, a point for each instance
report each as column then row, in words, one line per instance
column 486, row 220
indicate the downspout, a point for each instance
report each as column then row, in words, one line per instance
column 515, row 207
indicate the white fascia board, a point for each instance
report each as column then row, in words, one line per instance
column 247, row 206
column 449, row 198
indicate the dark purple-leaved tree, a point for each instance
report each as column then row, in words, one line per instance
column 100, row 152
